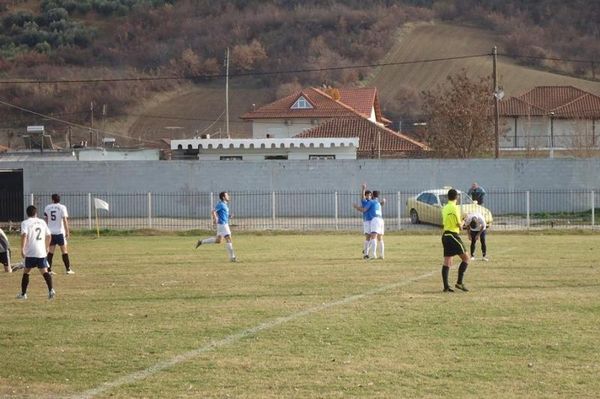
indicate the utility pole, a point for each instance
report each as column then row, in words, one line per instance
column 496, row 113
column 227, row 93
column 91, row 121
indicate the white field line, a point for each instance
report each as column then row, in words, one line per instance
column 184, row 357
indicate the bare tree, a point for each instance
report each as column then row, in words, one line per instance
column 460, row 122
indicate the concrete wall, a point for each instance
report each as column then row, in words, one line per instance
column 554, row 184
column 340, row 175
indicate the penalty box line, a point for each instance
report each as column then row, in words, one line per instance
column 230, row 339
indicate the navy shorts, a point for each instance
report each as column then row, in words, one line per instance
column 452, row 243
column 40, row 263
column 4, row 258
column 57, row 239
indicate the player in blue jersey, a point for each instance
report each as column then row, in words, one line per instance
column 220, row 217
column 373, row 215
column 364, row 200
column 378, row 227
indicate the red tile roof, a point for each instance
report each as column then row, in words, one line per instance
column 352, row 102
column 373, row 138
column 517, row 107
column 559, row 101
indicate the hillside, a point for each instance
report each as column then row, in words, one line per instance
column 439, row 40
column 414, row 42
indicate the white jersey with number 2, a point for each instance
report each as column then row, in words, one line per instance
column 55, row 214
column 36, row 231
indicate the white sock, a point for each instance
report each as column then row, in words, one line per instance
column 229, row 246
column 373, row 249
column 210, row 240
column 366, row 247
column 381, row 249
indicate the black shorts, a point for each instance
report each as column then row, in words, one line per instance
column 4, row 258
column 57, row 239
column 40, row 263
column 452, row 243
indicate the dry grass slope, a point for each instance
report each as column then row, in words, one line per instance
column 437, row 40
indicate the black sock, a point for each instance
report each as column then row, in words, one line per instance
column 24, row 283
column 49, row 259
column 48, row 278
column 461, row 272
column 445, row 272
column 66, row 261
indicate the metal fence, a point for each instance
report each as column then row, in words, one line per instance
column 512, row 210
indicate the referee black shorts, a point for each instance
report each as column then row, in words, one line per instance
column 452, row 243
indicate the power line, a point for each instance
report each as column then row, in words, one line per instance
column 547, row 58
column 240, row 74
column 68, row 123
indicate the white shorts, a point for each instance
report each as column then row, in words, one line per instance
column 377, row 225
column 223, row 230
column 367, row 227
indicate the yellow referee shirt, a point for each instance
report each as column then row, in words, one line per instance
column 451, row 217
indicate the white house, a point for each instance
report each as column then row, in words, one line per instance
column 308, row 108
column 265, row 149
column 551, row 118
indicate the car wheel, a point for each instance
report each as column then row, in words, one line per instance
column 414, row 217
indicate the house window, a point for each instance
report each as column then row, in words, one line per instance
column 230, row 158
column 275, row 157
column 302, row 103
column 321, row 156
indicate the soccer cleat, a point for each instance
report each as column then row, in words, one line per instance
column 366, row 257
column 472, row 258
column 461, row 287
column 70, row 271
column 198, row 243
column 51, row 294
column 21, row 296
column 448, row 289
column 52, row 272
column 485, row 259
column 234, row 259
column 17, row 266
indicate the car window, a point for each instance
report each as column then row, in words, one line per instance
column 463, row 199
column 422, row 197
column 432, row 199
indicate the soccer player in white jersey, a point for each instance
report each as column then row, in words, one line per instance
column 35, row 239
column 475, row 222
column 220, row 216
column 57, row 218
column 5, row 252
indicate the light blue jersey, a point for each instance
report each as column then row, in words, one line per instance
column 363, row 203
column 222, row 211
column 373, row 210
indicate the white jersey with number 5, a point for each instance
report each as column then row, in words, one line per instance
column 36, row 231
column 55, row 214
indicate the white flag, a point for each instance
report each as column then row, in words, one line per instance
column 100, row 204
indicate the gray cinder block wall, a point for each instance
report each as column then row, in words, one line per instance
column 306, row 176
column 404, row 176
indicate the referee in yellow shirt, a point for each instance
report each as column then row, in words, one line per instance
column 452, row 243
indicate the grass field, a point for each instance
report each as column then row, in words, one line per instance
column 304, row 316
